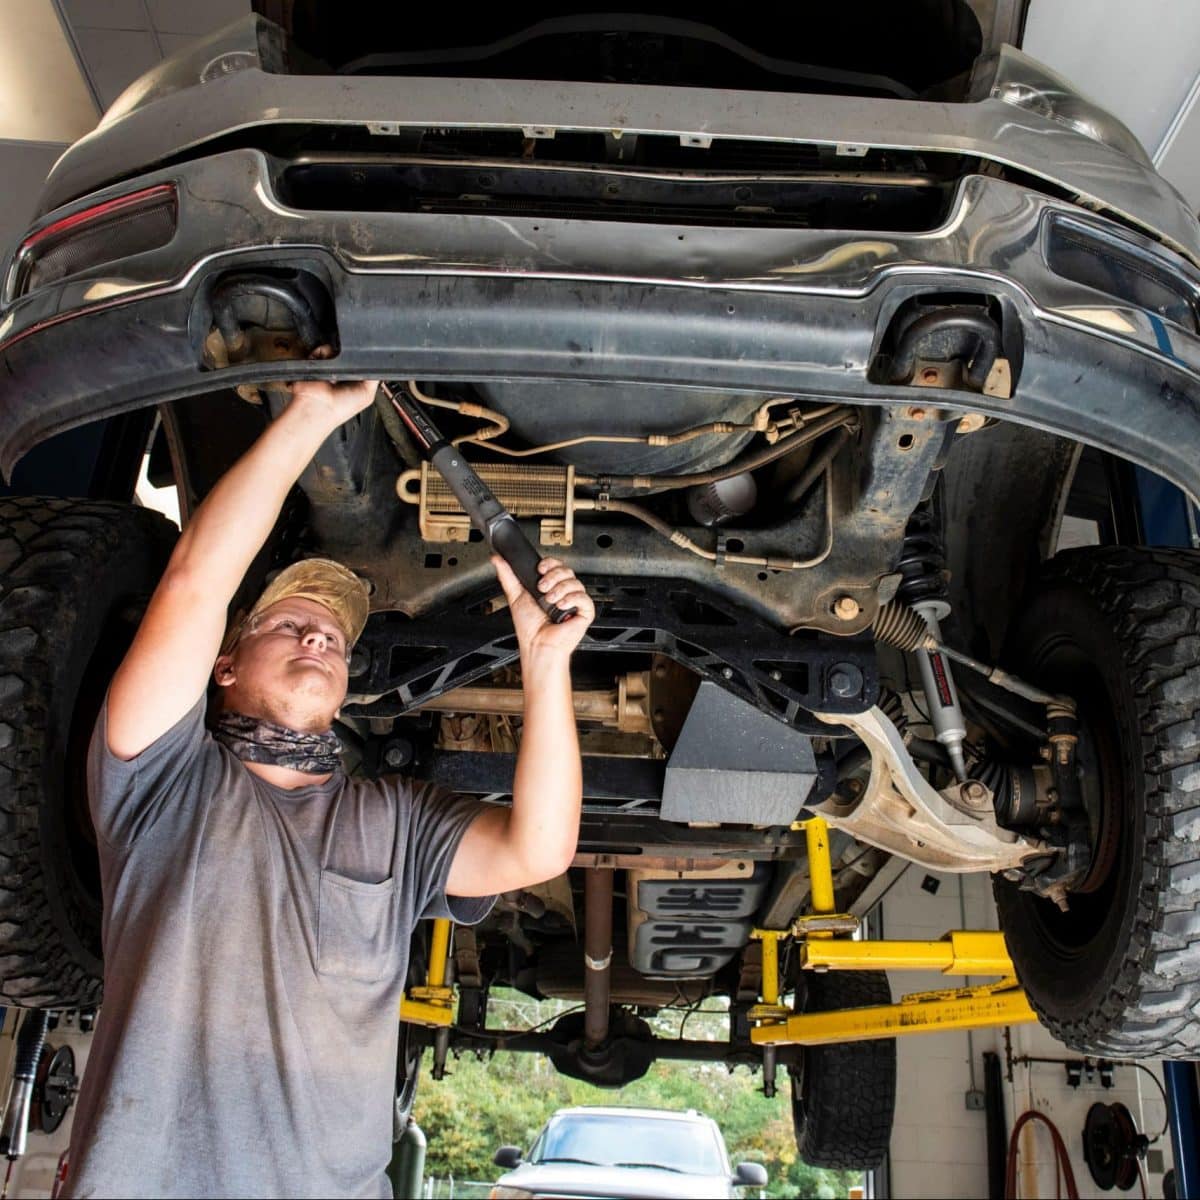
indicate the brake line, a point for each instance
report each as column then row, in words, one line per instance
column 500, row 425
column 776, row 432
column 680, row 539
column 808, row 432
column 808, row 427
column 499, row 422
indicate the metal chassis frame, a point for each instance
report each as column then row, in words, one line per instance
column 786, row 677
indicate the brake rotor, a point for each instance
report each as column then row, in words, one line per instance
column 54, row 1088
column 1112, row 1146
column 1101, row 785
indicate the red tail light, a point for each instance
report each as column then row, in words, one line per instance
column 107, row 232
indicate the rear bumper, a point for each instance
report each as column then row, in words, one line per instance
column 474, row 296
column 247, row 105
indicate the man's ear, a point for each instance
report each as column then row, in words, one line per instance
column 224, row 671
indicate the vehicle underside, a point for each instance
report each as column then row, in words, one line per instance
column 768, row 571
column 804, row 413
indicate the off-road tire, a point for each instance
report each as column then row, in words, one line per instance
column 1118, row 974
column 408, row 1074
column 75, row 576
column 844, row 1094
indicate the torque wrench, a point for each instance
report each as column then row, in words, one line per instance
column 498, row 526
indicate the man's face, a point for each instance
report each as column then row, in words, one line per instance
column 289, row 666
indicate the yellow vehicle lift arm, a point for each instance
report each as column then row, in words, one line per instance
column 823, row 946
column 433, row 1003
column 960, row 952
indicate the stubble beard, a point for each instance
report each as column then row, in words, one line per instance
column 294, row 707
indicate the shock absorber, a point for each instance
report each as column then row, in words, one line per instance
column 31, row 1038
column 923, row 588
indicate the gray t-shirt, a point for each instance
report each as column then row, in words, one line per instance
column 255, row 943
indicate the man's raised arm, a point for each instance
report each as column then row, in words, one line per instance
column 166, row 670
column 504, row 849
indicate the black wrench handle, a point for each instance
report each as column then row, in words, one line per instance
column 518, row 551
column 487, row 514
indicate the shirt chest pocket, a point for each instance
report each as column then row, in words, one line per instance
column 356, row 928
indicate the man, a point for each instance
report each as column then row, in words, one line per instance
column 258, row 905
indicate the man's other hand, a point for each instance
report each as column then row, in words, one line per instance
column 334, row 402
column 558, row 585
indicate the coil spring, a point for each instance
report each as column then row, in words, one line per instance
column 922, row 563
column 897, row 625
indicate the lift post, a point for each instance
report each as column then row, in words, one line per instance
column 959, row 952
column 433, row 1003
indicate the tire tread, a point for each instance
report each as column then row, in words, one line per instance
column 849, row 1088
column 1152, row 597
column 51, row 551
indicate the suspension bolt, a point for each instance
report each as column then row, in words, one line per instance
column 845, row 681
column 846, row 608
column 915, row 412
column 727, row 672
column 777, row 675
column 974, row 793
column 397, row 755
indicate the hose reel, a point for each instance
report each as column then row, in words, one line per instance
column 1112, row 1146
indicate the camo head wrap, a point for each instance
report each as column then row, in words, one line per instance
column 255, row 740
